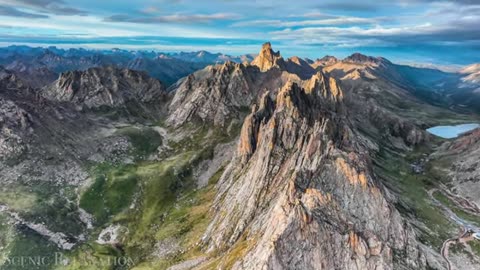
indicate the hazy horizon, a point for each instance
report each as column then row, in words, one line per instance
column 442, row 67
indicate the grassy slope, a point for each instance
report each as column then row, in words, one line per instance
column 394, row 169
column 154, row 201
column 474, row 219
column 38, row 203
column 144, row 140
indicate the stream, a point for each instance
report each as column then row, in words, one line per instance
column 462, row 222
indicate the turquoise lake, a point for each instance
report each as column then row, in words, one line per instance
column 449, row 132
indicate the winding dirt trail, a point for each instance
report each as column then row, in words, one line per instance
column 467, row 227
column 444, row 252
column 448, row 242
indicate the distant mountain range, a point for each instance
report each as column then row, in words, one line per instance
column 40, row 66
column 198, row 56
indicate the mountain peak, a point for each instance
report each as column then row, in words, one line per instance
column 328, row 58
column 267, row 46
column 359, row 58
column 267, row 58
column 325, row 61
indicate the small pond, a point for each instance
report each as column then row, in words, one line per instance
column 449, row 132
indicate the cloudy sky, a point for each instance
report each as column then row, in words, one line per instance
column 442, row 32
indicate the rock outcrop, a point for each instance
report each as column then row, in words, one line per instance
column 108, row 86
column 382, row 99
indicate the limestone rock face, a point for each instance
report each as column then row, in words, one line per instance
column 249, row 134
column 300, row 192
column 106, row 86
column 267, row 58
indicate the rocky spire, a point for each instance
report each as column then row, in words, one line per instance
column 267, row 58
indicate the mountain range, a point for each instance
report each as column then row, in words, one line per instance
column 40, row 66
column 208, row 161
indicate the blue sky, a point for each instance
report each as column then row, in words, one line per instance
column 443, row 32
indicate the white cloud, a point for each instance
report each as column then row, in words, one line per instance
column 92, row 26
column 174, row 18
column 403, row 34
column 341, row 20
column 58, row 7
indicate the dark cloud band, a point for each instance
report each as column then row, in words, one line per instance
column 58, row 7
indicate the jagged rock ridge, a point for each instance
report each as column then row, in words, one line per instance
column 109, row 86
column 224, row 92
column 363, row 59
column 300, row 191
